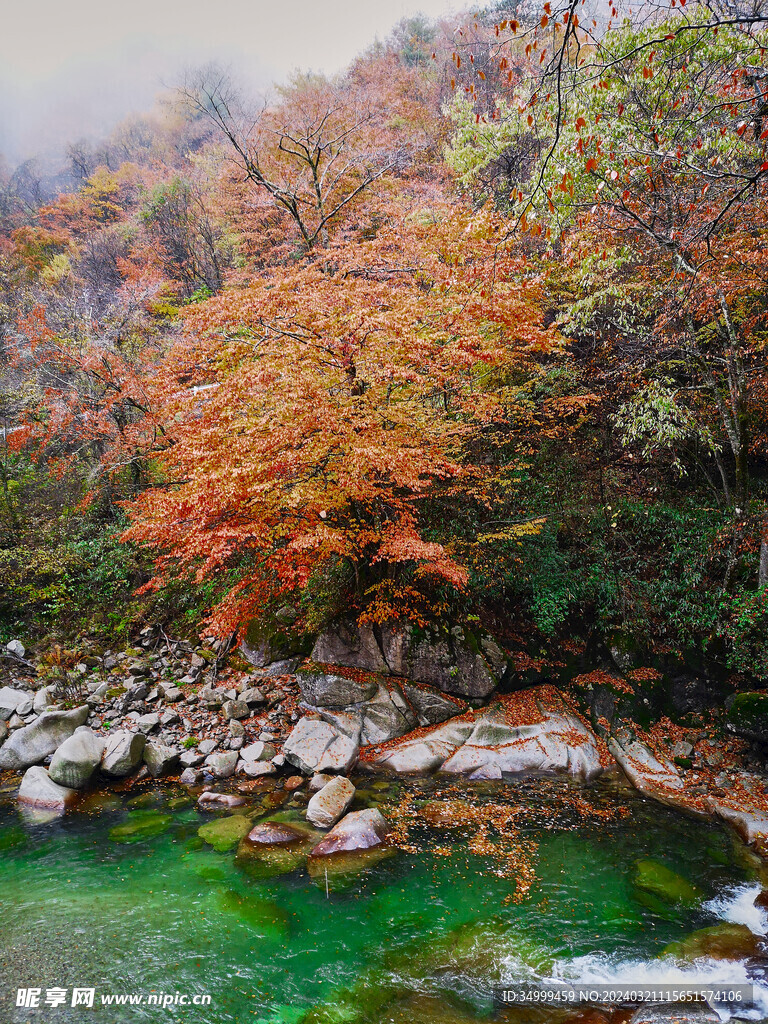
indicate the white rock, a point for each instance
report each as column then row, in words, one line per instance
column 331, row 802
column 39, row 790
column 122, row 753
column 316, row 746
column 76, row 759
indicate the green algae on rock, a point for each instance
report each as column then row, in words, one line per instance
column 666, row 885
column 225, row 833
column 141, row 825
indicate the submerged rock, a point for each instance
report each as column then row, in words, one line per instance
column 77, row 759
column 665, row 884
column 225, row 833
column 274, row 848
column 720, row 942
column 33, row 743
column 673, row 1013
column 329, row 804
column 38, row 789
column 141, row 825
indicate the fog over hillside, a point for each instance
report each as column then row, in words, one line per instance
column 74, row 70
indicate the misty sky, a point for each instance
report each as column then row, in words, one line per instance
column 72, row 68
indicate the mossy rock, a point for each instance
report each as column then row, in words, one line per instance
column 720, row 942
column 99, row 803
column 205, row 865
column 341, row 871
column 178, row 803
column 224, row 834
column 141, row 825
column 148, row 799
column 263, row 916
column 748, row 716
column 664, row 884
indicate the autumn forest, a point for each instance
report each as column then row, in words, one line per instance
column 472, row 332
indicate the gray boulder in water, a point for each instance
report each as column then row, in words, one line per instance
column 39, row 790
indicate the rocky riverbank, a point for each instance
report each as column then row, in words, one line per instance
column 166, row 709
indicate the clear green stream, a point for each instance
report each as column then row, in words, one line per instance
column 168, row 914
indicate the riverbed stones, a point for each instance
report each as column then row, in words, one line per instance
column 316, row 746
column 77, row 759
column 33, row 743
column 235, row 709
column 330, row 803
column 40, row 791
column 160, row 759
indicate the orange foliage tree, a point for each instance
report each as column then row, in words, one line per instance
column 325, row 421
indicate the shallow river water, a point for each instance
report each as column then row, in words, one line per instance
column 422, row 937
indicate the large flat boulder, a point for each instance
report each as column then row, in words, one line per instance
column 425, row 750
column 335, row 689
column 315, row 745
column 454, row 661
column 347, row 643
column 39, row 790
column 532, row 730
column 503, row 742
column 77, row 759
column 33, row 743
